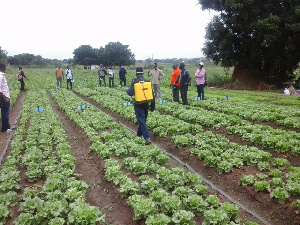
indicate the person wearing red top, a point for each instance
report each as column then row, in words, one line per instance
column 175, row 82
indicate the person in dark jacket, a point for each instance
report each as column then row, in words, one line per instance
column 141, row 110
column 185, row 80
column 122, row 76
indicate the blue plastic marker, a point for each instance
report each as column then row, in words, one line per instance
column 81, row 107
column 197, row 98
column 127, row 104
column 57, row 87
column 98, row 85
column 80, row 86
column 38, row 109
column 227, row 96
column 35, row 88
column 162, row 101
column 10, row 88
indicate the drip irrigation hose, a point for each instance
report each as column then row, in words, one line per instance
column 207, row 181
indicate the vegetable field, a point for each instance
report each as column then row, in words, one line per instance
column 74, row 157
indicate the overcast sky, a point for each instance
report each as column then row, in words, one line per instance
column 54, row 28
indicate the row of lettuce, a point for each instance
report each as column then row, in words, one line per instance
column 54, row 194
column 158, row 192
column 275, row 174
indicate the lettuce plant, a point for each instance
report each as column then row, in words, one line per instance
column 183, row 217
column 246, row 180
column 170, row 203
column 4, row 213
column 142, row 207
column 280, row 194
column 262, row 186
column 158, row 219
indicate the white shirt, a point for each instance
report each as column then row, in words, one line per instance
column 69, row 74
column 3, row 85
column 111, row 72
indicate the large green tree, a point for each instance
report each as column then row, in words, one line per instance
column 117, row 54
column 260, row 38
column 113, row 54
column 85, row 55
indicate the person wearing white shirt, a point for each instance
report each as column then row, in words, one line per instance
column 70, row 79
column 5, row 100
column 111, row 74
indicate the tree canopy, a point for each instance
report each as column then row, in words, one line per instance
column 260, row 38
column 114, row 53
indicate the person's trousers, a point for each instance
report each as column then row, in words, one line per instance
column 123, row 80
column 102, row 79
column 58, row 81
column 156, row 90
column 175, row 91
column 111, row 82
column 22, row 84
column 141, row 113
column 183, row 92
column 5, row 115
column 69, row 81
column 200, row 90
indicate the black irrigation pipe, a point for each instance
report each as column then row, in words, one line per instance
column 213, row 186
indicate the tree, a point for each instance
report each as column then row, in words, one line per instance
column 260, row 38
column 118, row 54
column 3, row 55
column 85, row 55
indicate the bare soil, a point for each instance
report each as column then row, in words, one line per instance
column 105, row 194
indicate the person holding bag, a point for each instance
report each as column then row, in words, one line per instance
column 70, row 79
column 20, row 77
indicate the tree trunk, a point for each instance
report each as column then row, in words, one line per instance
column 243, row 79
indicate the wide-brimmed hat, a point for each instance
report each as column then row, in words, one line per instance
column 201, row 63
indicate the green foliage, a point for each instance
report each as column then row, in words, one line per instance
column 113, row 54
column 158, row 219
column 262, row 186
column 183, row 217
column 296, row 204
column 280, row 194
column 247, row 180
column 251, row 43
column 143, row 207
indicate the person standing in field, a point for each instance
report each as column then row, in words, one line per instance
column 185, row 81
column 111, row 75
column 4, row 100
column 157, row 75
column 122, row 76
column 200, row 76
column 175, row 82
column 20, row 77
column 69, row 75
column 141, row 109
column 59, row 73
column 101, row 74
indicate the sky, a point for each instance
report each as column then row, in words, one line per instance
column 151, row 28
